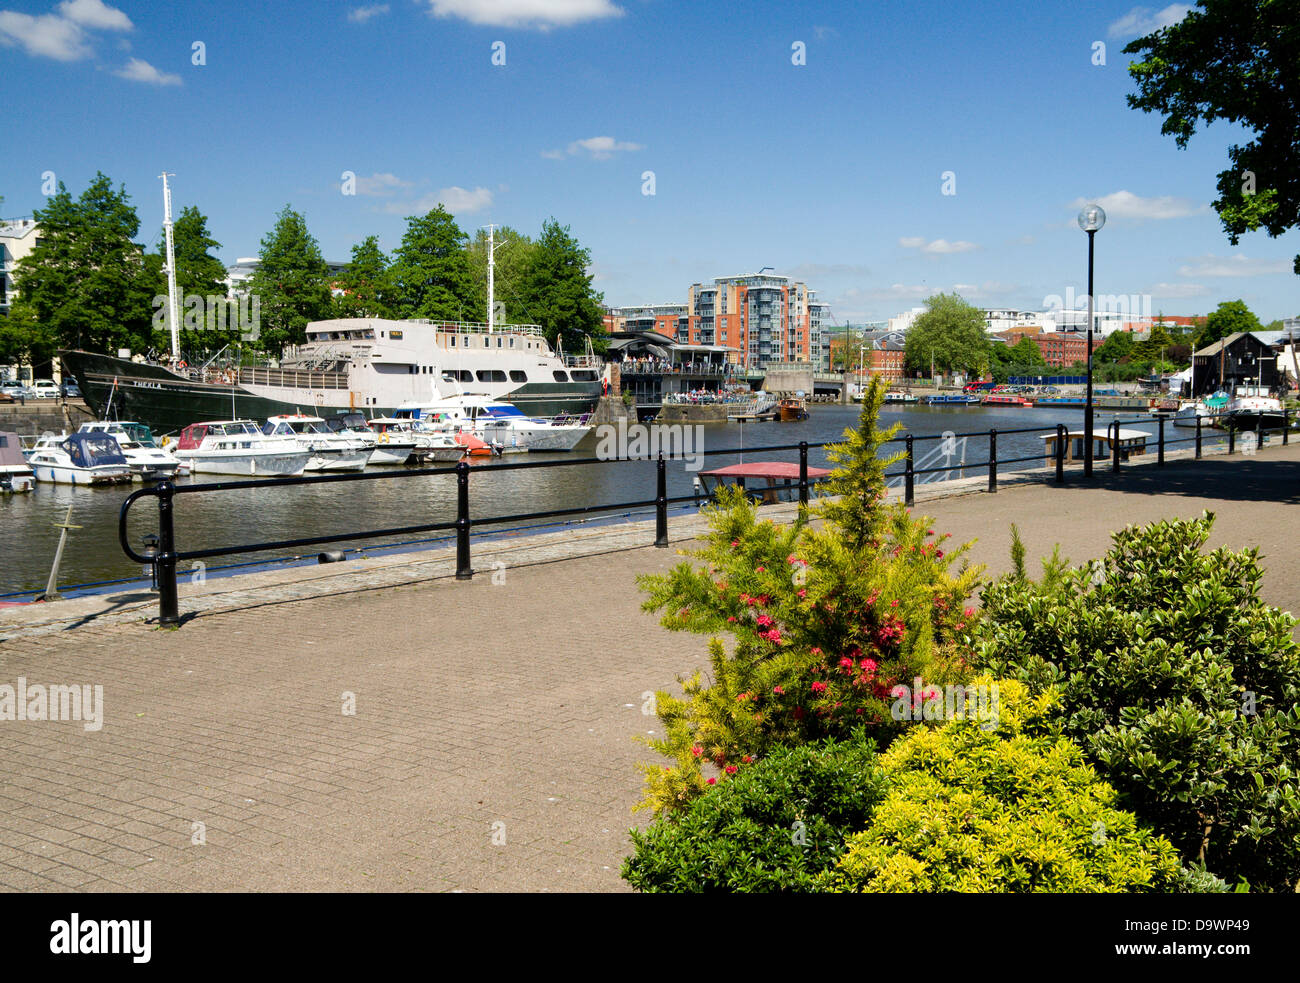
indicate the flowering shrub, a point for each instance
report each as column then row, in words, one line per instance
column 776, row 826
column 826, row 621
column 1179, row 683
column 1015, row 808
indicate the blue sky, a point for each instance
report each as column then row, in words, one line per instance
column 831, row 170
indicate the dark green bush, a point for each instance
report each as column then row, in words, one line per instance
column 776, row 825
column 1180, row 684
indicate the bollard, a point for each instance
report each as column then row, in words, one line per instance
column 993, row 460
column 1161, row 453
column 463, row 569
column 1114, row 447
column 168, row 607
column 1232, row 437
column 803, row 472
column 1061, row 438
column 909, row 474
column 1198, row 436
column 661, row 504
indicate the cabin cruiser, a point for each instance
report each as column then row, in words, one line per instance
column 15, row 473
column 238, row 447
column 79, row 459
column 1209, row 410
column 427, row 445
column 330, row 450
column 393, row 450
column 498, row 424
column 147, row 460
column 1253, row 408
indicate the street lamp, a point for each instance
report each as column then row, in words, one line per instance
column 1091, row 219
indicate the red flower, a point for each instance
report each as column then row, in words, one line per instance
column 764, row 621
column 778, row 691
column 894, row 603
column 803, row 592
column 735, row 543
column 731, row 619
column 732, row 769
column 697, row 750
column 747, row 759
column 819, row 687
column 846, row 663
column 713, row 781
column 970, row 612
column 761, row 569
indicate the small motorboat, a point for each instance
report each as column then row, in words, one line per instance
column 330, row 450
column 792, row 408
column 385, row 448
column 15, row 473
column 148, row 461
column 80, row 459
column 764, row 482
column 238, row 447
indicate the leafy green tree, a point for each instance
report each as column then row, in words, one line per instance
column 431, row 271
column 1151, row 347
column 1179, row 682
column 1233, row 60
column 291, row 281
column 558, row 290
column 514, row 257
column 1228, row 318
column 953, row 332
column 84, row 285
column 367, row 283
column 1117, row 347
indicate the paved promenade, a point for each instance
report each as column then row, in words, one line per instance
column 492, row 744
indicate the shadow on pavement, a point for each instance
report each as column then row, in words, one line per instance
column 1237, row 478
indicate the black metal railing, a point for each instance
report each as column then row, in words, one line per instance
column 166, row 558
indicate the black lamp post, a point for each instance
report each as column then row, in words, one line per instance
column 1091, row 219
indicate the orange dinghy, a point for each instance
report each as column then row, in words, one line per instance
column 474, row 447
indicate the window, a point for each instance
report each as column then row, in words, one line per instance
column 516, row 375
column 491, row 375
column 560, row 376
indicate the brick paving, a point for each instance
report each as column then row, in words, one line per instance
column 493, row 742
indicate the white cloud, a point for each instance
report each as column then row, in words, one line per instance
column 939, row 247
column 359, row 15
column 597, row 148
column 1236, row 265
column 380, row 185
column 96, row 14
column 1141, row 21
column 137, row 70
column 45, row 36
column 1179, row 290
column 61, row 36
column 1125, row 204
column 456, row 200
column 541, row 14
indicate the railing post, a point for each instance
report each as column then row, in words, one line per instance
column 165, row 562
column 993, row 460
column 803, row 471
column 1161, row 445
column 909, row 474
column 1061, row 437
column 661, row 504
column 463, row 569
column 1114, row 447
column 1198, row 436
column 1232, row 438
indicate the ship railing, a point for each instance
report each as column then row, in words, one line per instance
column 293, row 378
column 478, row 327
column 949, row 455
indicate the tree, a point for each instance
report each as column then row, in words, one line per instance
column 1233, row 60
column 431, row 271
column 1117, row 347
column 1153, row 346
column 953, row 331
column 367, row 283
column 291, row 281
column 514, row 257
column 845, row 352
column 84, row 284
column 558, row 290
column 1228, row 318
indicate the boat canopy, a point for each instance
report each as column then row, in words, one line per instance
column 764, row 469
column 92, row 450
column 11, row 451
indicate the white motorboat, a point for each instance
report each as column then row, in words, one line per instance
column 498, row 424
column 79, row 459
column 1210, row 410
column 1253, row 408
column 330, row 451
column 15, row 473
column 238, row 447
column 147, row 460
column 384, row 448
column 427, row 445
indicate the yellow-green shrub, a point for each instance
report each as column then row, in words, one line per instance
column 1012, row 808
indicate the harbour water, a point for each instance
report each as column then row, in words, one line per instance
column 28, row 536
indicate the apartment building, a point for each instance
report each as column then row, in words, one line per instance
column 17, row 239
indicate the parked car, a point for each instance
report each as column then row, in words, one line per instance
column 71, row 389
column 46, row 389
column 17, row 391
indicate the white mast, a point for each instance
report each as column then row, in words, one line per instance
column 173, row 312
column 491, row 278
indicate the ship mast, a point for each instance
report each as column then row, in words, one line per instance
column 491, row 303
column 173, row 312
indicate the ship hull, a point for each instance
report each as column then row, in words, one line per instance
column 166, row 402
